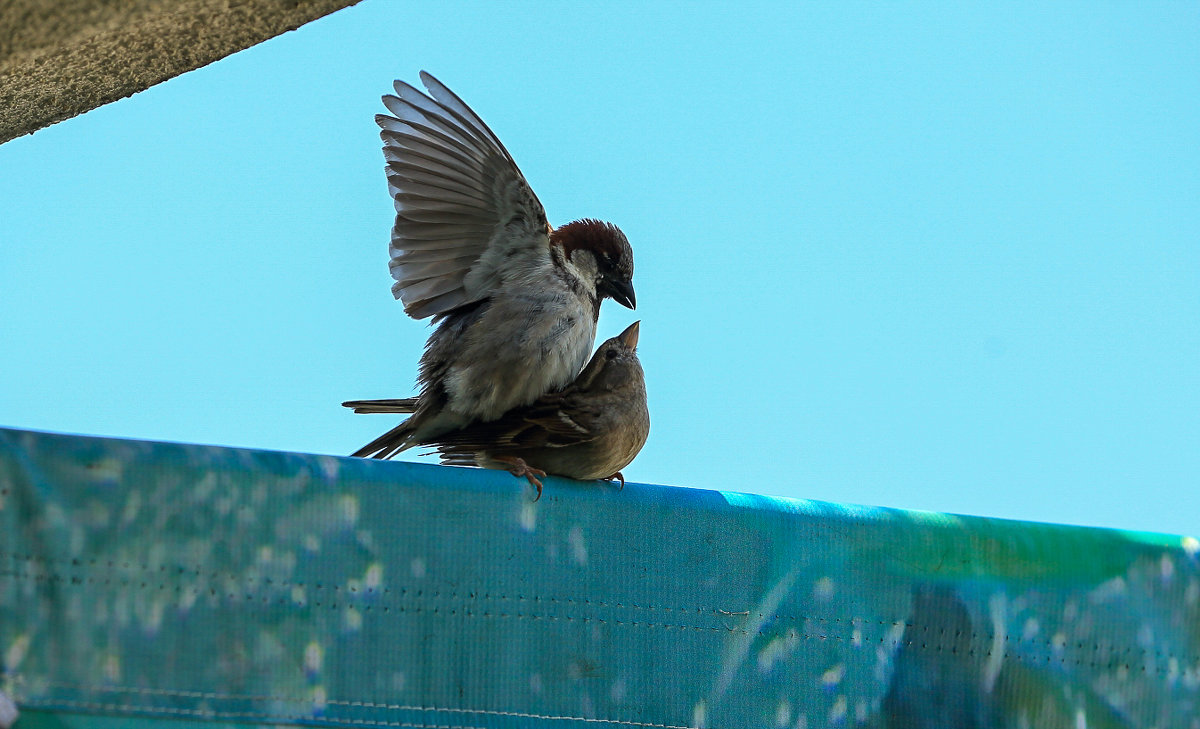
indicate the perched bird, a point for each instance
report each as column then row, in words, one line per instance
column 514, row 300
column 590, row 430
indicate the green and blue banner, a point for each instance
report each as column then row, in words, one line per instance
column 151, row 583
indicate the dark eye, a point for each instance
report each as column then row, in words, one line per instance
column 610, row 353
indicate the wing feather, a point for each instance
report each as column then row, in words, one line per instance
column 437, row 305
column 458, row 195
column 418, row 190
column 424, row 138
column 399, row 182
column 416, row 231
column 421, row 113
column 432, row 136
column 450, row 100
column 406, row 160
column 555, row 421
column 433, row 146
column 428, row 288
column 419, row 269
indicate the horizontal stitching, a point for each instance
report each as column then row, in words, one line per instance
column 1095, row 649
column 537, row 616
column 283, row 584
column 403, row 591
column 1117, row 660
column 1114, row 651
column 348, row 601
column 362, row 704
column 170, row 711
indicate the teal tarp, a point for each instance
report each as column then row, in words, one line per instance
column 201, row 584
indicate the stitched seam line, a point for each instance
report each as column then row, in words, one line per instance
column 204, row 713
column 116, row 565
column 359, row 603
column 1114, row 653
column 355, row 704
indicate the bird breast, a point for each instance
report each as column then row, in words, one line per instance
column 525, row 344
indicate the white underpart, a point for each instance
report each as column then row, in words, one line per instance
column 511, row 356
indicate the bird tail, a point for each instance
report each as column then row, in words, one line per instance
column 389, row 444
column 394, row 406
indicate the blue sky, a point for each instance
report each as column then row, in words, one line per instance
column 941, row 257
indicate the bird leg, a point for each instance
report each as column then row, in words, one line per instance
column 518, row 467
column 617, row 475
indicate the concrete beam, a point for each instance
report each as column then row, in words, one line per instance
column 62, row 58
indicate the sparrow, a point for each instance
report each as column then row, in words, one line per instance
column 514, row 300
column 589, row 430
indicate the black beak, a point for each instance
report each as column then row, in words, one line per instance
column 622, row 293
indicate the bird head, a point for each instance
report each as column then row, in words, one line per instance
column 615, row 362
column 613, row 255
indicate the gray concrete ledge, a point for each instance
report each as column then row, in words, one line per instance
column 59, row 59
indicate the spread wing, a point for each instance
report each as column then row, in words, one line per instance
column 464, row 212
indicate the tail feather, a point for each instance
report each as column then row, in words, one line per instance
column 393, row 406
column 450, row 456
column 389, row 444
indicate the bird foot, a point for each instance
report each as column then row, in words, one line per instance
column 518, row 467
column 617, row 475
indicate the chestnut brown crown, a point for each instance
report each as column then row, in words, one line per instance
column 613, row 254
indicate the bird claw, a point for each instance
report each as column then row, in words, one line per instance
column 518, row 467
column 617, row 475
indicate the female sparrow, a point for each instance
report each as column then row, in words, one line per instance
column 590, row 430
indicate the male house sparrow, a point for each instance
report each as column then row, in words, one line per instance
column 515, row 301
column 590, row 430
